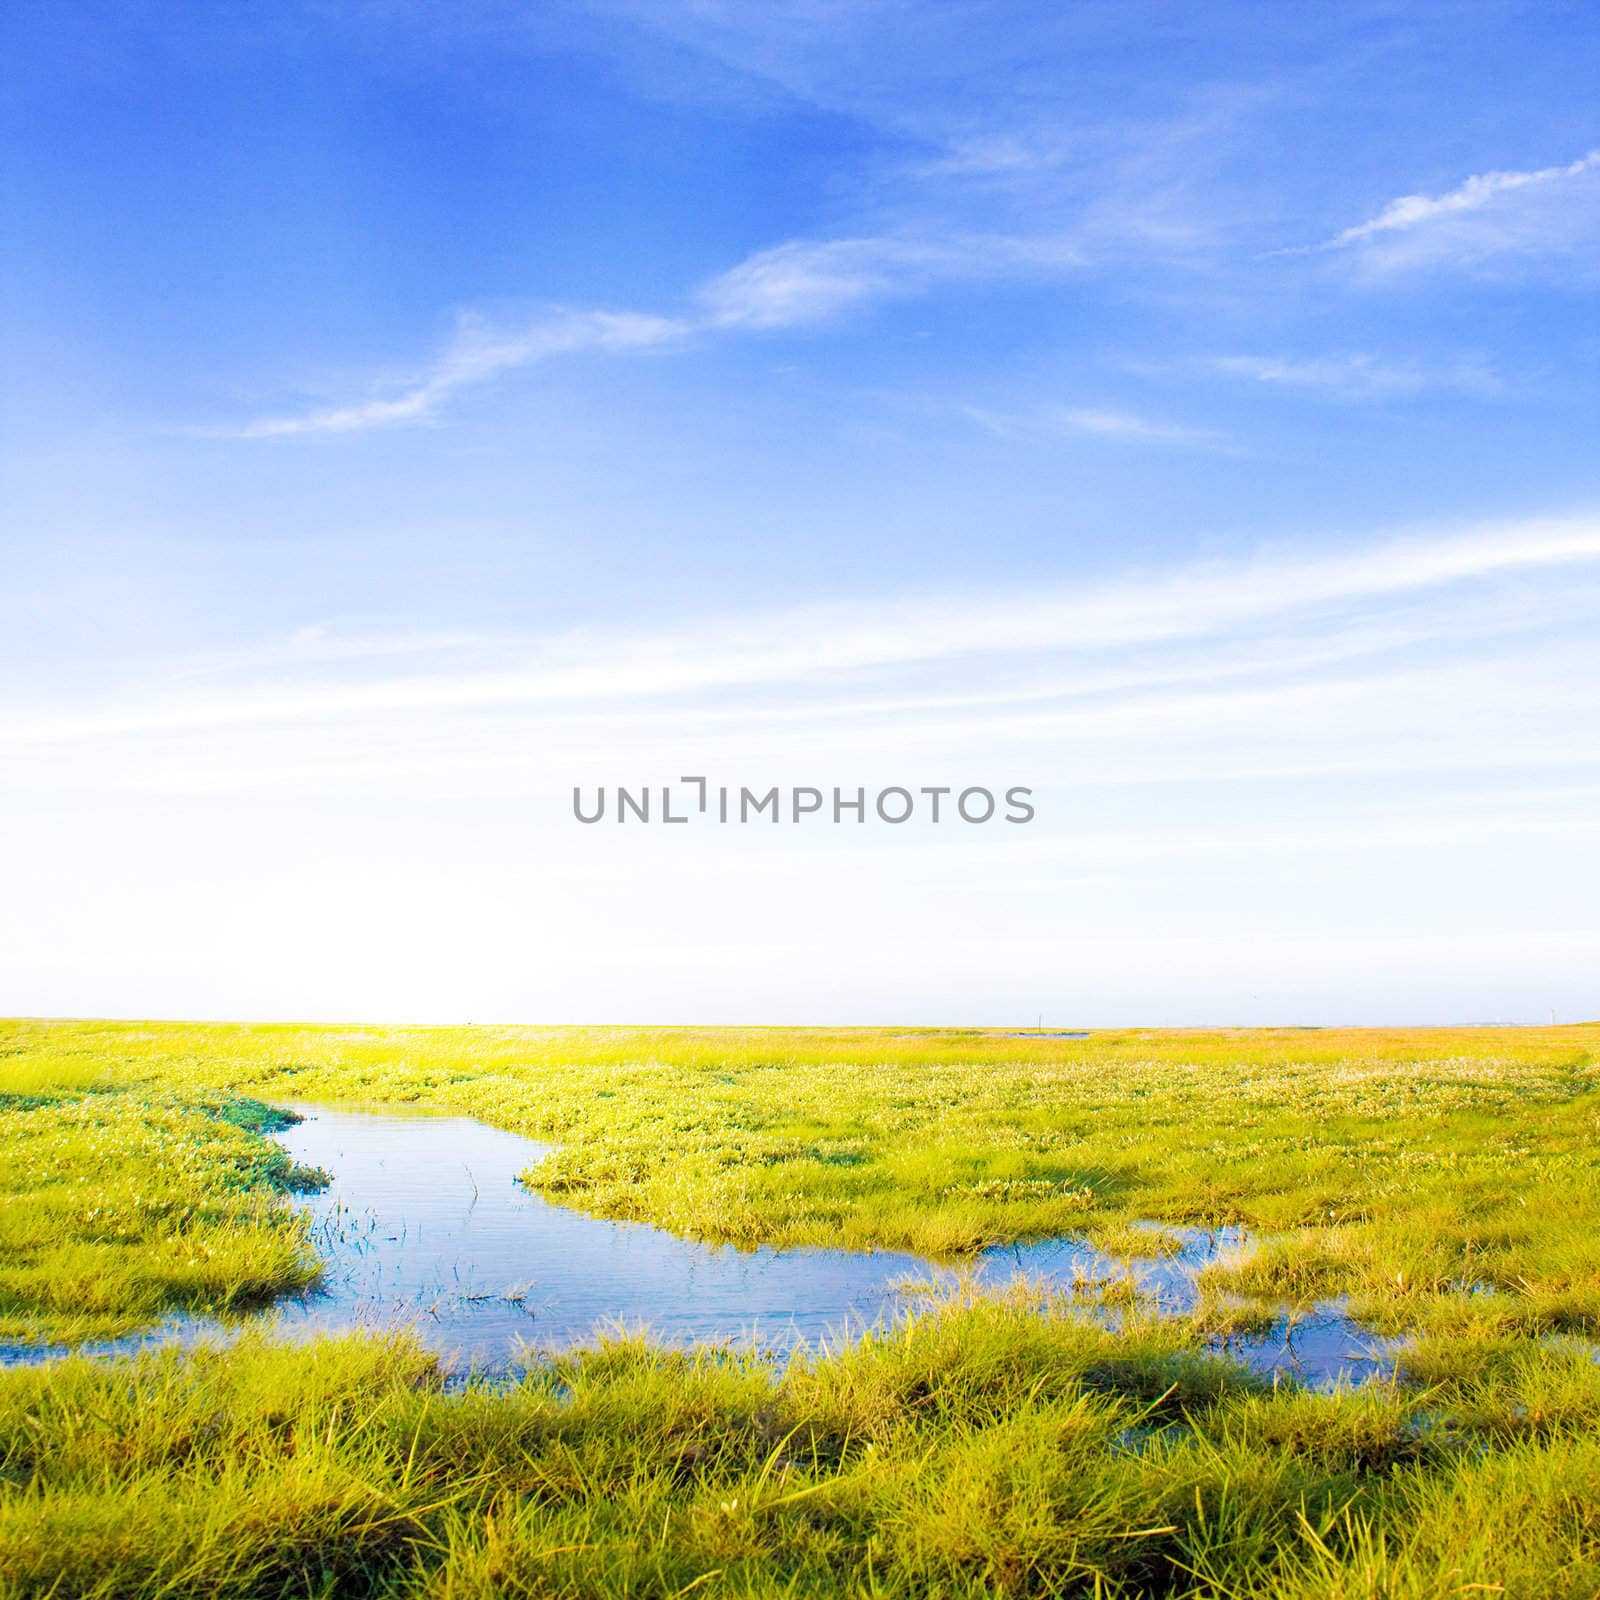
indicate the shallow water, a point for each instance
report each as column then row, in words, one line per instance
column 425, row 1225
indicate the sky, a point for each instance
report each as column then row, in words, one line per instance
column 410, row 413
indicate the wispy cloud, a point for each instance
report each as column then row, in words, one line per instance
column 835, row 647
column 791, row 285
column 1499, row 213
column 1095, row 422
column 809, row 280
column 806, row 281
column 1001, row 154
column 1478, row 192
column 1357, row 375
column 479, row 352
column 1103, row 424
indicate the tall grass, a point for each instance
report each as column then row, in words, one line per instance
column 987, row 1448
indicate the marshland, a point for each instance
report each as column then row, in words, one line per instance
column 944, row 1426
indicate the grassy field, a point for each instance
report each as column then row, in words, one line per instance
column 1445, row 1180
column 117, row 1206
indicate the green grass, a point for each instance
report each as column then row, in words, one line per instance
column 117, row 1206
column 1394, row 1166
column 989, row 1448
column 1449, row 1181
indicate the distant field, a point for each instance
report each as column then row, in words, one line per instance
column 1447, row 1181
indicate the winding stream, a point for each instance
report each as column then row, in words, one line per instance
column 425, row 1225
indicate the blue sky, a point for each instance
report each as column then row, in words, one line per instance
column 411, row 411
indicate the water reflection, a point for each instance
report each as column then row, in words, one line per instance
column 426, row 1225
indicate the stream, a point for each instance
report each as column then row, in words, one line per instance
column 426, row 1225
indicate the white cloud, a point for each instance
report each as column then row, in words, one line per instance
column 1544, row 211
column 809, row 280
column 1361, row 375
column 791, row 285
column 1479, row 191
column 1005, row 154
column 478, row 353
column 1357, row 375
column 1096, row 422
column 833, row 648
column 1124, row 425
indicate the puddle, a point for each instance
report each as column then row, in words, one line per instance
column 425, row 1225
column 1320, row 1345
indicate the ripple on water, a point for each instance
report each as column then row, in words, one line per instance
column 425, row 1225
